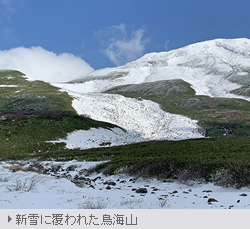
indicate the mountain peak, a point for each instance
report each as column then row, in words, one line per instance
column 215, row 68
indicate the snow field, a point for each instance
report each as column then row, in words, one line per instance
column 94, row 138
column 206, row 66
column 143, row 117
column 58, row 192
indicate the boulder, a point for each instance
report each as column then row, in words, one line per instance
column 210, row 200
column 141, row 190
column 112, row 183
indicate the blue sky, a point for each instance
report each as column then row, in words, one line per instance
column 107, row 33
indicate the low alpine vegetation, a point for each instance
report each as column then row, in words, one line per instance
column 218, row 116
column 188, row 161
column 32, row 113
column 26, row 186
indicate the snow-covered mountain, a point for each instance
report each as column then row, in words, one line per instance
column 216, row 68
column 135, row 97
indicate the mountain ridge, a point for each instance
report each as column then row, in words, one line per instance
column 206, row 65
column 176, row 95
column 215, row 77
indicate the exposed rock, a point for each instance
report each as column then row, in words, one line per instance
column 210, row 200
column 164, row 195
column 79, row 184
column 91, row 186
column 112, row 183
column 108, row 187
column 81, row 181
column 141, row 190
column 56, row 168
column 207, row 191
column 76, row 177
column 68, row 176
column 185, row 192
column 71, row 168
column 83, row 171
column 243, row 194
column 95, row 179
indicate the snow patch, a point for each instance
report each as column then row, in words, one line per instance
column 8, row 85
column 94, row 138
column 141, row 116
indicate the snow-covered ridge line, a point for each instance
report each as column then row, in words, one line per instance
column 214, row 68
column 208, row 66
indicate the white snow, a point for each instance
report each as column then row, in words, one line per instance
column 54, row 192
column 8, row 85
column 141, row 116
column 94, row 138
column 207, row 66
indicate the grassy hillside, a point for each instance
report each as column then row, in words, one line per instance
column 219, row 116
column 226, row 161
column 19, row 94
column 33, row 112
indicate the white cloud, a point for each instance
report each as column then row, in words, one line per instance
column 39, row 64
column 166, row 45
column 122, row 48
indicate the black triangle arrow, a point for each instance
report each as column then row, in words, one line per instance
column 9, row 219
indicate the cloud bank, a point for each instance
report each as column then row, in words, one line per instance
column 39, row 64
column 123, row 47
